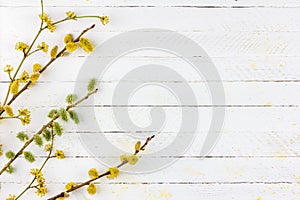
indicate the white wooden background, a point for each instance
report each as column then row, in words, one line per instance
column 255, row 46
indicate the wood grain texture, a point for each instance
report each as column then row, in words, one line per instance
column 255, row 48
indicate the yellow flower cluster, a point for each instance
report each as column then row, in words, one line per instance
column 131, row 159
column 113, row 172
column 24, row 116
column 34, row 77
column 91, row 189
column 68, row 38
column 36, row 67
column 59, row 154
column 8, row 69
column 8, row 110
column 71, row 15
column 24, row 77
column 137, row 146
column 14, row 87
column 86, row 45
column 11, row 197
column 53, row 52
column 70, row 45
column 104, row 20
column 41, row 187
column 70, row 185
column 93, row 173
column 43, row 47
column 21, row 46
column 45, row 18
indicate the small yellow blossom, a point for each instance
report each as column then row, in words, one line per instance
column 25, row 120
column 137, row 146
column 45, row 18
column 132, row 159
column 70, row 185
column 59, row 154
column 71, row 46
column 44, row 47
column 60, row 198
column 14, row 87
column 34, row 171
column 53, row 52
column 11, row 197
column 68, row 38
column 71, row 14
column 36, row 67
column 24, row 116
column 51, row 27
column 104, row 20
column 8, row 110
column 113, row 173
column 21, row 46
column 24, row 112
column 93, row 173
column 34, row 77
column 8, row 69
column 41, row 191
column 41, row 186
column 86, row 45
column 24, row 77
column 91, row 189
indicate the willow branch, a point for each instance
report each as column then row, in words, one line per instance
column 41, row 168
column 69, row 19
column 39, row 132
column 76, row 187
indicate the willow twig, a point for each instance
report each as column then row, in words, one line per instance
column 76, row 187
column 41, row 168
column 55, row 117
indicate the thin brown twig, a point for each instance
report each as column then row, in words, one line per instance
column 76, row 187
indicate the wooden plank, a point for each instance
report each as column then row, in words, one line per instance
column 275, row 134
column 238, row 94
column 232, row 144
column 177, row 19
column 263, row 118
column 155, row 3
column 108, row 190
column 231, row 69
column 188, row 171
